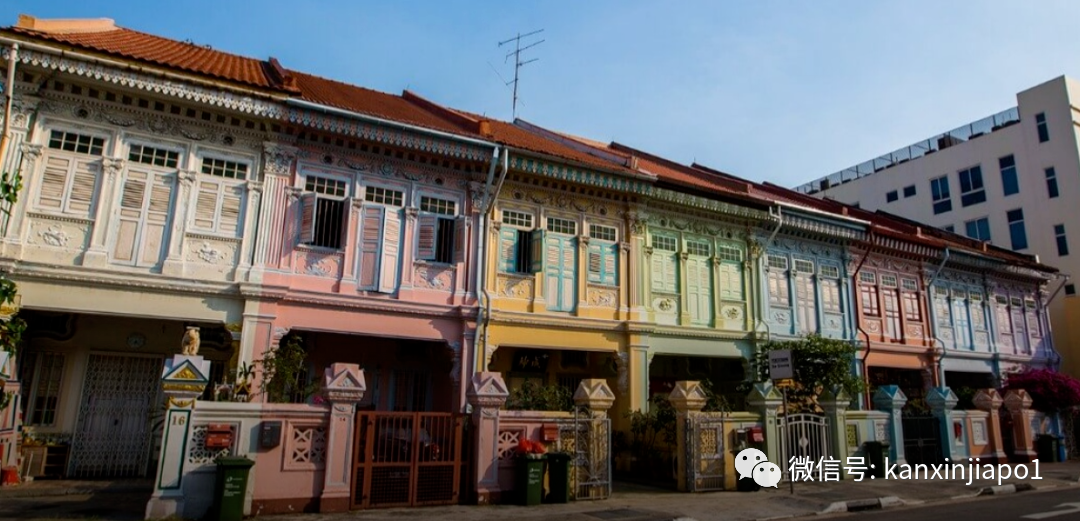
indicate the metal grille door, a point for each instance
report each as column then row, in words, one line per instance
column 922, row 440
column 705, row 471
column 804, row 436
column 112, row 437
column 407, row 459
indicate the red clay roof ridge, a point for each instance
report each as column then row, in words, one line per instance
column 66, row 25
column 466, row 121
column 281, row 76
column 626, row 160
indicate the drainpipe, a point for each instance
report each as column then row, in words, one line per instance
column 9, row 99
column 779, row 216
column 932, row 319
column 865, row 398
column 1056, row 365
column 483, row 316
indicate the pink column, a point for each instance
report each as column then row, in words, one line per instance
column 344, row 387
column 1018, row 403
column 487, row 394
column 990, row 401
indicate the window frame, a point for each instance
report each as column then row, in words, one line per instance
column 1052, row 188
column 181, row 152
column 970, row 194
column 978, row 224
column 910, row 191
column 940, row 195
column 1042, row 129
column 31, row 409
column 1017, row 229
column 1010, row 177
column 444, row 243
column 224, row 184
column 892, row 196
column 522, row 239
column 1062, row 240
column 321, row 211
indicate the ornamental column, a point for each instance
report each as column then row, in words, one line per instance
column 182, row 380
column 97, row 255
column 942, row 401
column 766, row 401
column 688, row 398
column 1018, row 403
column 344, row 387
column 835, row 403
column 990, row 401
column 487, row 394
column 890, row 399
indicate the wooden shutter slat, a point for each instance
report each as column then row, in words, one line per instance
column 391, row 246
column 371, row 225
column 308, row 205
column 426, row 227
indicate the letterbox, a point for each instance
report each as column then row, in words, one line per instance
column 550, row 432
column 219, row 436
column 270, row 434
column 756, row 436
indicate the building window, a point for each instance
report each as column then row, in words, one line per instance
column 1051, row 183
column 830, row 289
column 603, row 254
column 868, row 293
column 949, row 228
column 891, row 196
column 1062, row 241
column 779, row 290
column 909, row 191
column 978, row 229
column 154, row 156
column 378, row 194
column 220, row 198
column 1070, row 290
column 78, row 143
column 515, row 243
column 971, row 186
column 563, row 226
column 1010, row 184
column 939, row 188
column 1016, row 229
column 912, row 311
column 438, row 231
column 1040, row 125
column 322, row 215
column 224, row 168
column 665, row 264
column 46, row 371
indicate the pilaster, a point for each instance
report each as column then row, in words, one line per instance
column 97, row 255
column 1018, row 403
column 990, row 401
column 688, row 398
column 487, row 394
column 891, row 400
column 766, row 400
column 835, row 403
column 942, row 401
column 343, row 387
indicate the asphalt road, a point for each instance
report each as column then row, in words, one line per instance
column 1052, row 505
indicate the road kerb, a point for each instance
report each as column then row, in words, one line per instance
column 857, row 505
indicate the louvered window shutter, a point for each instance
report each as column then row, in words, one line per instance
column 391, row 248
column 459, row 240
column 54, row 182
column 206, row 204
column 157, row 219
column 427, row 225
column 371, row 226
column 657, row 269
column 731, row 281
column 232, row 201
column 125, row 245
column 308, row 203
column 508, row 249
column 596, row 262
column 538, row 251
column 568, row 274
column 81, row 197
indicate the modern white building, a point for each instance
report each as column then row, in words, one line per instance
column 1012, row 179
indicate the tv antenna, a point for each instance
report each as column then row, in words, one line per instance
column 518, row 64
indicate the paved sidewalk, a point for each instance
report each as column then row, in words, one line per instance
column 126, row 500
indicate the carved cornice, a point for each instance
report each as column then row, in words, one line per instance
column 361, row 302
column 562, row 323
column 81, row 276
column 687, row 332
column 576, row 174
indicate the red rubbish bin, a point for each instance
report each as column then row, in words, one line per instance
column 9, row 476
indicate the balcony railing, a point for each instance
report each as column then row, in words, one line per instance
column 917, row 150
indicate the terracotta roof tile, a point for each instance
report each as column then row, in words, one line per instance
column 165, row 52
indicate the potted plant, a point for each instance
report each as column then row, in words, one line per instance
column 529, row 480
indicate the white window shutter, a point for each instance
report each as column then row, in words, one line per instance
column 459, row 240
column 54, row 182
column 81, row 196
column 133, row 194
column 391, row 247
column 731, row 282
column 371, row 226
column 426, row 227
column 568, row 275
column 611, row 265
column 232, row 204
column 206, row 205
column 156, row 221
column 308, row 203
column 657, row 269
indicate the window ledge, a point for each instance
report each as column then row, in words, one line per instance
column 434, row 264
column 212, row 237
column 318, row 249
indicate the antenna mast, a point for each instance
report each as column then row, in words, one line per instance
column 516, row 53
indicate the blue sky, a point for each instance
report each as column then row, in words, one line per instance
column 768, row 90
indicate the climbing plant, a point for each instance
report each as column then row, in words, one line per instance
column 11, row 330
column 285, row 373
column 819, row 363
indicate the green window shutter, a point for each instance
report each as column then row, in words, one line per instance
column 596, row 262
column 603, row 263
column 559, row 273
column 731, row 281
column 698, row 289
column 508, row 238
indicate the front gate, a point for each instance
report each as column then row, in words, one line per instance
column 705, row 443
column 803, row 436
column 112, row 437
column 588, row 439
column 922, row 440
column 407, row 459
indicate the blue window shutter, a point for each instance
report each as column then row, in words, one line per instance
column 596, row 262
column 508, row 250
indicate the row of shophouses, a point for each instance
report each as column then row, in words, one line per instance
column 168, row 185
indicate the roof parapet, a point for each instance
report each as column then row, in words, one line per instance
column 66, row 25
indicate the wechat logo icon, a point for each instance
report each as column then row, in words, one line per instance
column 752, row 463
